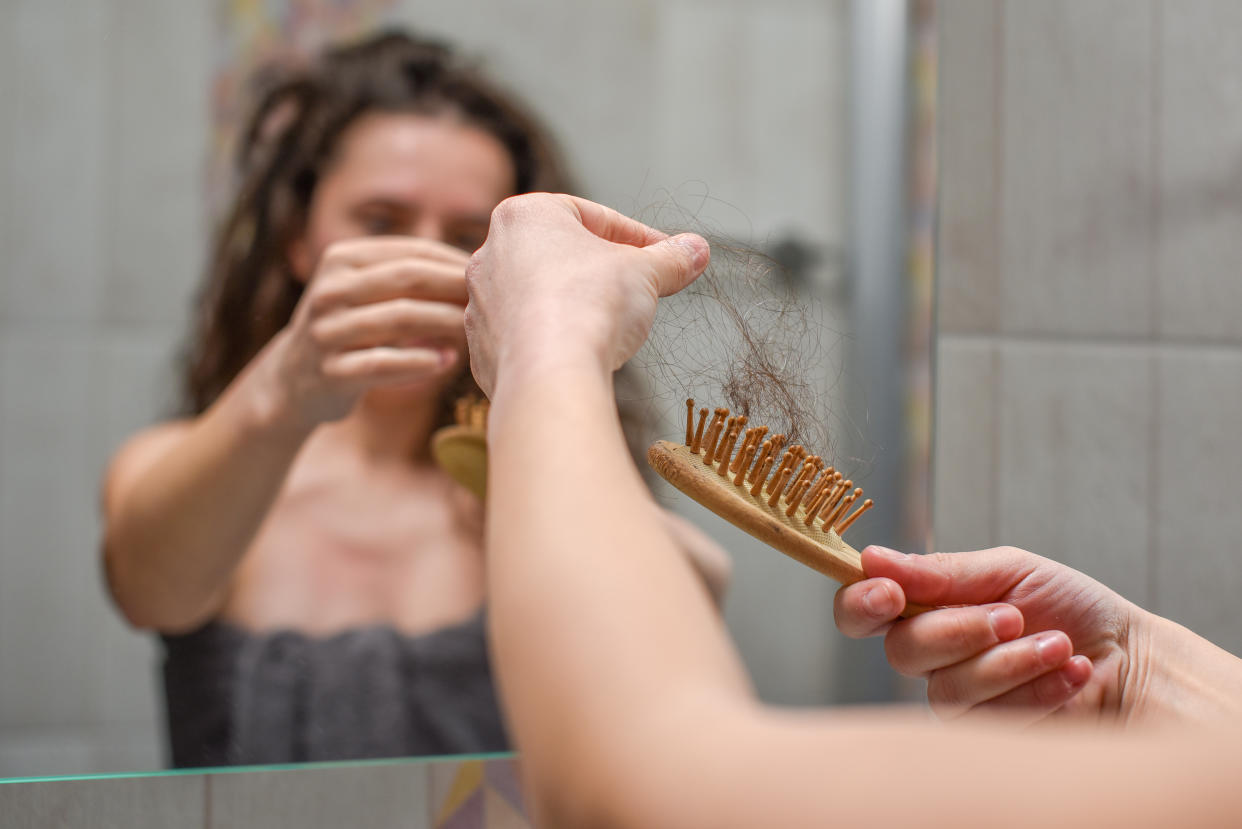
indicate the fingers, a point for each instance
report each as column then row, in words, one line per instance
column 1041, row 696
column 395, row 323
column 955, row 689
column 952, row 636
column 372, row 250
column 952, row 578
column 413, row 278
column 867, row 608
column 388, row 365
column 612, row 226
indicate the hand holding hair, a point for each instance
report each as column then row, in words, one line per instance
column 528, row 296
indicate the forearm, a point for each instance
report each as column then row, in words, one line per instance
column 178, row 529
column 642, row 626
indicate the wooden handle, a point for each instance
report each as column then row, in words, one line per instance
column 461, row 451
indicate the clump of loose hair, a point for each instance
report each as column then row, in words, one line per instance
column 742, row 336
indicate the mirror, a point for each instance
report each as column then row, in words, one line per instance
column 749, row 118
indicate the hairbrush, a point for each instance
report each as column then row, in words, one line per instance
column 787, row 498
column 461, row 448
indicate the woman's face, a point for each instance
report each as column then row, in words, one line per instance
column 400, row 174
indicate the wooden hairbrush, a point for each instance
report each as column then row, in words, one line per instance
column 787, row 498
column 461, row 449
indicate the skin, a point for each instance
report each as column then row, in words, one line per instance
column 1031, row 638
column 305, row 497
column 292, row 501
column 621, row 686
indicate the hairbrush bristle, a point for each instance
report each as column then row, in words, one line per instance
column 792, row 480
column 471, row 411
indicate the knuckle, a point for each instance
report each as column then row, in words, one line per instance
column 945, row 692
column 518, row 206
column 1048, row 691
column 896, row 649
column 474, row 269
column 319, row 332
column 339, row 253
column 325, row 297
column 962, row 631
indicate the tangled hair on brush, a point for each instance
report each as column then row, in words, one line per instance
column 740, row 336
column 288, row 142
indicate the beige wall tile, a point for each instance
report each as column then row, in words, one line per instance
column 48, row 528
column 1077, row 168
column 40, row 752
column 703, row 152
column 968, row 273
column 366, row 795
column 60, row 113
column 964, row 463
column 155, row 219
column 1198, row 521
column 133, row 802
column 1076, row 457
column 8, row 161
column 798, row 137
column 1200, row 140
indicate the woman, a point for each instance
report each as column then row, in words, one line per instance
column 626, row 698
column 318, row 581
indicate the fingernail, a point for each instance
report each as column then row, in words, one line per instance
column 448, row 356
column 886, row 553
column 1006, row 622
column 876, row 600
column 1045, row 644
column 695, row 247
column 1077, row 671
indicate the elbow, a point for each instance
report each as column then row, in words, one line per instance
column 143, row 604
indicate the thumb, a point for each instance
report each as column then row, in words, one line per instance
column 977, row 577
column 676, row 261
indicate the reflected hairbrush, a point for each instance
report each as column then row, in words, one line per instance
column 461, row 449
column 787, row 498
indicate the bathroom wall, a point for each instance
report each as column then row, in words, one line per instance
column 734, row 107
column 1089, row 375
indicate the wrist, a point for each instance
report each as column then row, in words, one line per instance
column 549, row 359
column 1178, row 676
column 269, row 409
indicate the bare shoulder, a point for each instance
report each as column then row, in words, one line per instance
column 136, row 455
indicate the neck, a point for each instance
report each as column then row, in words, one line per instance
column 388, row 426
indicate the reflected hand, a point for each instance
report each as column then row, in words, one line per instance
column 561, row 275
column 1014, row 633
column 378, row 311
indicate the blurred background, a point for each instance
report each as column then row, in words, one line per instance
column 1089, row 370
column 803, row 128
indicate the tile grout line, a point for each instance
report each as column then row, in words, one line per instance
column 207, row 815
column 998, row 169
column 1080, row 341
column 1155, row 246
column 998, row 245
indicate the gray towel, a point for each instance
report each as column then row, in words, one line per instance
column 236, row 697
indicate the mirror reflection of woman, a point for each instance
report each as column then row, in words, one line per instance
column 318, row 582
